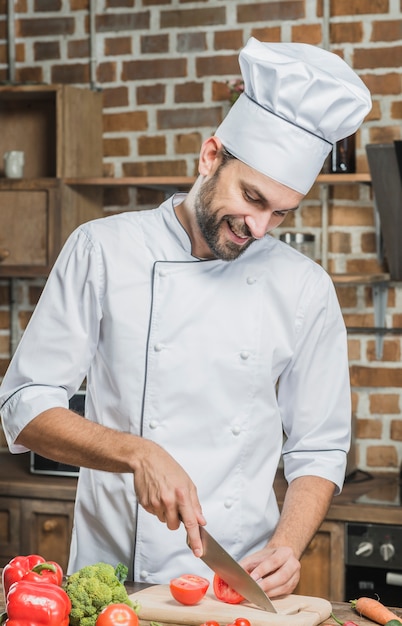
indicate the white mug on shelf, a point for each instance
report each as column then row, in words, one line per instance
column 14, row 164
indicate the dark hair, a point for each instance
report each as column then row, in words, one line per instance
column 226, row 156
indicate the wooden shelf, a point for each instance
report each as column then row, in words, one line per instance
column 187, row 181
column 359, row 279
column 333, row 179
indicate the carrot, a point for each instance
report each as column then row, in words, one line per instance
column 374, row 610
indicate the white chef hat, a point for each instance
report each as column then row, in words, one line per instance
column 298, row 101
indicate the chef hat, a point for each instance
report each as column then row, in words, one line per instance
column 298, row 101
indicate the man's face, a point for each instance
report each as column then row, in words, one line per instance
column 238, row 205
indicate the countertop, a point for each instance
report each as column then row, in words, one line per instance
column 341, row 609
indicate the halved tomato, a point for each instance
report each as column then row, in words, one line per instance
column 189, row 588
column 225, row 593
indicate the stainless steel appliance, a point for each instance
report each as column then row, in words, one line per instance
column 373, row 562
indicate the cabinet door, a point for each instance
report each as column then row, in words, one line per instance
column 26, row 230
column 9, row 529
column 46, row 529
column 322, row 565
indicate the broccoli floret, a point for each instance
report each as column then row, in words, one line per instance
column 92, row 588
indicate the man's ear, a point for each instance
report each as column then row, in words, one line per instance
column 210, row 156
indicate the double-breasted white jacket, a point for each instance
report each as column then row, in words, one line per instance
column 227, row 365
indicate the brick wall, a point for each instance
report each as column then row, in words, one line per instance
column 162, row 67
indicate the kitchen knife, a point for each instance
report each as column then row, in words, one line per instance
column 232, row 573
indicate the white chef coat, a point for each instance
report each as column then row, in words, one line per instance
column 224, row 364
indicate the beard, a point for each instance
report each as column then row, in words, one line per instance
column 212, row 227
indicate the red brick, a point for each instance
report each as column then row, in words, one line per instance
column 120, row 122
column 189, row 92
column 155, row 168
column 358, row 7
column 155, row 68
column 41, row 6
column 151, row 94
column 364, row 58
column 119, row 4
column 347, row 296
column 4, row 320
column 384, row 403
column 116, row 147
column 189, row 118
column 34, row 293
column 368, row 429
column 228, row 40
column 78, row 48
column 115, row 97
column 218, row 64
column 354, row 353
column 368, row 243
column 307, row 33
column 43, row 27
column 185, row 18
column 387, row 30
column 115, row 46
column 266, row 33
column 187, row 143
column 346, row 32
column 396, row 430
column 391, row 351
column 115, row 22
column 266, row 11
column 383, row 85
column 191, row 42
column 70, row 74
column 106, row 72
column 148, row 3
column 385, row 134
column 29, row 75
column 340, row 243
column 4, row 363
column 154, row 44
column 382, row 456
column 396, row 110
column 148, row 145
column 361, row 376
column 46, row 50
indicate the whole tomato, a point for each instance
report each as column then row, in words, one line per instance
column 117, row 615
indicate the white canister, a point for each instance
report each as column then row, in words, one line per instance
column 14, row 164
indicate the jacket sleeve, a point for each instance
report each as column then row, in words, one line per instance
column 53, row 356
column 314, row 391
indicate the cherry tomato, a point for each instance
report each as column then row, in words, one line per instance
column 189, row 588
column 225, row 593
column 117, row 615
column 241, row 621
column 210, row 623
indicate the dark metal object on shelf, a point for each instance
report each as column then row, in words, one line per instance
column 387, row 187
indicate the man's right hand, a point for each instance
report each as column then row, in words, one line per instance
column 164, row 489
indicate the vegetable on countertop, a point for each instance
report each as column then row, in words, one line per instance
column 225, row 593
column 188, row 589
column 33, row 568
column 374, row 610
column 348, row 623
column 94, row 587
column 117, row 615
column 32, row 603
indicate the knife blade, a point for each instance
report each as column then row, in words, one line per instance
column 220, row 561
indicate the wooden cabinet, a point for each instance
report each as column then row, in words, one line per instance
column 36, row 512
column 322, row 565
column 59, row 129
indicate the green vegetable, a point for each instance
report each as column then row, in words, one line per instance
column 92, row 588
column 394, row 622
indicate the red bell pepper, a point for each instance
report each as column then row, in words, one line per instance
column 33, row 568
column 37, row 604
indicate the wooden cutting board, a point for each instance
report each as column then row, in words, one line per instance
column 158, row 605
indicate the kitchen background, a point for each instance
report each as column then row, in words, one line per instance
column 162, row 67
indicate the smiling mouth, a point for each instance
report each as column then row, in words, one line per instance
column 239, row 237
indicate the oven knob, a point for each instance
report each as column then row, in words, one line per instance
column 365, row 548
column 387, row 551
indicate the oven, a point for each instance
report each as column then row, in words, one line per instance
column 373, row 562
